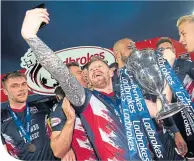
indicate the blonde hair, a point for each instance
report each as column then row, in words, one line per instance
column 97, row 58
column 186, row 18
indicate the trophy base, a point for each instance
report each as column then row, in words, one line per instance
column 172, row 110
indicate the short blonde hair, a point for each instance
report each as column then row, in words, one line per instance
column 186, row 18
column 97, row 58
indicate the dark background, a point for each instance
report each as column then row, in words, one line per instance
column 88, row 23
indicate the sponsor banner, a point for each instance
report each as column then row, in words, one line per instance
column 41, row 82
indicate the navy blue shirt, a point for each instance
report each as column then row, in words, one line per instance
column 16, row 144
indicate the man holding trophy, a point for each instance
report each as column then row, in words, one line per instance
column 102, row 120
column 184, row 69
column 125, row 48
column 99, row 118
column 116, row 133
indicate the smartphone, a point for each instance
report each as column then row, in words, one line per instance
column 42, row 5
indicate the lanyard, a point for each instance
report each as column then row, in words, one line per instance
column 25, row 132
column 107, row 100
column 179, row 90
column 140, row 116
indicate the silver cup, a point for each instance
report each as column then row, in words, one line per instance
column 144, row 66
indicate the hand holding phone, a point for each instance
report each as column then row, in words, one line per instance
column 42, row 5
column 33, row 21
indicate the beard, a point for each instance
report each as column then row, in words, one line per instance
column 102, row 82
column 124, row 59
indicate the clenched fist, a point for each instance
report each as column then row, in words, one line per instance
column 68, row 110
column 169, row 55
column 32, row 22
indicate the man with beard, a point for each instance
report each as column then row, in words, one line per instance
column 24, row 127
column 98, row 117
column 103, row 126
column 122, row 50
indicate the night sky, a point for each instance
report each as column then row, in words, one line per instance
column 88, row 23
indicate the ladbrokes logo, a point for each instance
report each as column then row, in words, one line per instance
column 83, row 60
column 41, row 82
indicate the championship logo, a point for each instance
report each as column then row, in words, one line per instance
column 41, row 82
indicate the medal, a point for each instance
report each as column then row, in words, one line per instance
column 32, row 148
column 25, row 132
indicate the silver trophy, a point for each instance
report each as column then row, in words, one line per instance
column 144, row 66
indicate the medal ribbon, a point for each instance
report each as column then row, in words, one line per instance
column 25, row 132
column 177, row 88
column 142, row 124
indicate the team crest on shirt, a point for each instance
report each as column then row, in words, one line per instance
column 41, row 82
column 55, row 121
column 33, row 109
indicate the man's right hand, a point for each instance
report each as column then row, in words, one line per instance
column 32, row 22
column 170, row 56
column 68, row 110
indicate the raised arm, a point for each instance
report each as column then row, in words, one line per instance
column 46, row 57
column 61, row 137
